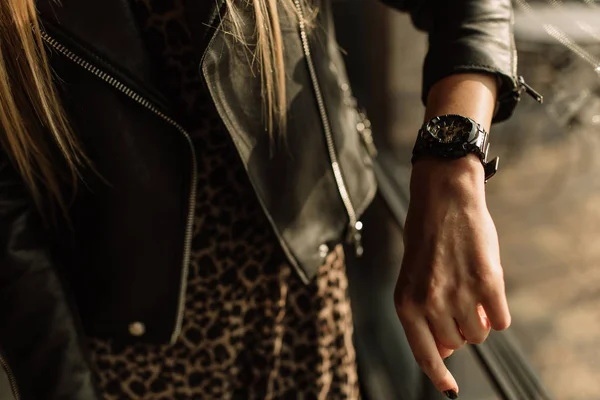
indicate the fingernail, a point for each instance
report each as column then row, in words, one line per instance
column 451, row 394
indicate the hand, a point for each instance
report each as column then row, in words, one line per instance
column 451, row 287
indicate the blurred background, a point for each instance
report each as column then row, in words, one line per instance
column 545, row 199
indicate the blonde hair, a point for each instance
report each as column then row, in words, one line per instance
column 33, row 123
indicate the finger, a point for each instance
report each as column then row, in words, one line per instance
column 444, row 352
column 483, row 316
column 474, row 324
column 493, row 300
column 446, row 333
column 426, row 354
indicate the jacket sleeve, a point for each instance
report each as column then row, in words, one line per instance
column 40, row 339
column 468, row 36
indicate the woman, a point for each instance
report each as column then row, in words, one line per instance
column 178, row 179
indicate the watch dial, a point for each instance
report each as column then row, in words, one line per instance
column 450, row 129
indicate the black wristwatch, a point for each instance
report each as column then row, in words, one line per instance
column 454, row 136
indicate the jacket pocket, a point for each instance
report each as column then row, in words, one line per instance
column 8, row 384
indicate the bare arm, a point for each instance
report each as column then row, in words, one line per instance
column 451, row 288
column 470, row 95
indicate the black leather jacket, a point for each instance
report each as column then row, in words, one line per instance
column 313, row 193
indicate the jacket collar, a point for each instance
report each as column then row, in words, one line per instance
column 107, row 28
column 107, row 33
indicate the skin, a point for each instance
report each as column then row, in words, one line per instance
column 451, row 286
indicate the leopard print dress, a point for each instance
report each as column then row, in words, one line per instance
column 252, row 329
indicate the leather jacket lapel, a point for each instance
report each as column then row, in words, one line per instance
column 106, row 33
column 107, row 27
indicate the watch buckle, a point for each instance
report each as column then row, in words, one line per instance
column 490, row 168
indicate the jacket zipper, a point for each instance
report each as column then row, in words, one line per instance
column 521, row 85
column 127, row 91
column 11, row 378
column 524, row 86
column 355, row 225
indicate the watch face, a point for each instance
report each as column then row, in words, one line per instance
column 450, row 129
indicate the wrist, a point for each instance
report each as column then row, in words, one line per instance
column 464, row 175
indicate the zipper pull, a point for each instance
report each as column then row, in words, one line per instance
column 355, row 238
column 523, row 86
